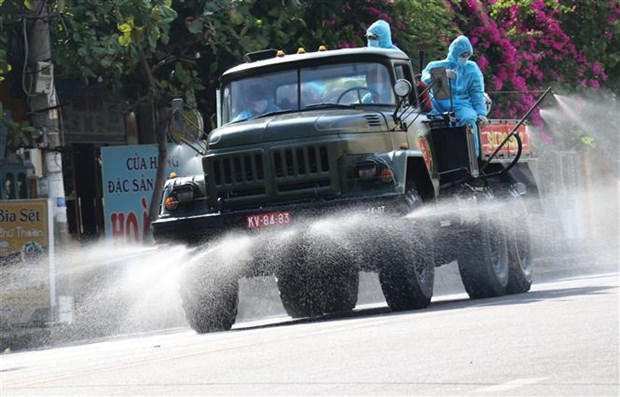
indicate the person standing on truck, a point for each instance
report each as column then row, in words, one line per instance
column 259, row 102
column 379, row 35
column 467, row 87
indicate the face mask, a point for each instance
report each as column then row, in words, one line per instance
column 373, row 43
column 462, row 60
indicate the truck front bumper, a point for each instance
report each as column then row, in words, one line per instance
column 203, row 227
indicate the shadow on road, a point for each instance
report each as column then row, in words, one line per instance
column 452, row 302
column 451, row 297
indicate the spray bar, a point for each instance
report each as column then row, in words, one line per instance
column 511, row 133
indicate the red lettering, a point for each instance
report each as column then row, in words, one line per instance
column 118, row 225
column 145, row 217
column 132, row 228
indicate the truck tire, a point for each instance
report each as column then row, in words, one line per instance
column 483, row 260
column 316, row 281
column 313, row 294
column 407, row 283
column 210, row 303
column 520, row 270
column 519, row 250
column 405, row 261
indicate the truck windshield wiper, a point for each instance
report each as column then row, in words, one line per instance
column 332, row 105
column 283, row 111
column 313, row 106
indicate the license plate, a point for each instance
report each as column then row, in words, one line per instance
column 269, row 219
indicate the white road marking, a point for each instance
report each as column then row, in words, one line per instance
column 513, row 384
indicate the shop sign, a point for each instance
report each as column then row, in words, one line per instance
column 128, row 179
column 26, row 260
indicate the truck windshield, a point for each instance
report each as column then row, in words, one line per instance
column 298, row 89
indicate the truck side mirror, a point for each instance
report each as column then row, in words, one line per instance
column 186, row 126
column 402, row 88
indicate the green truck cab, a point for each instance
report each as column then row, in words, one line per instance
column 311, row 135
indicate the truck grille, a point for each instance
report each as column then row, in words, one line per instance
column 238, row 168
column 301, row 168
column 238, row 174
column 259, row 176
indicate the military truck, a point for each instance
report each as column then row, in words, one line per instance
column 343, row 134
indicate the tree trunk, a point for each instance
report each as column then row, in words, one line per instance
column 161, row 114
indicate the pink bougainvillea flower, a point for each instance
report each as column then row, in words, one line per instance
column 483, row 62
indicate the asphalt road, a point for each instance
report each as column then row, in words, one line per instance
column 561, row 338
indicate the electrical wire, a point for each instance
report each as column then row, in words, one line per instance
column 38, row 13
column 25, row 63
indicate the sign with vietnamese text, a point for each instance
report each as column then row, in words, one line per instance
column 492, row 135
column 24, row 247
column 128, row 182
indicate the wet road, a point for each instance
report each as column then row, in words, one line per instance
column 559, row 339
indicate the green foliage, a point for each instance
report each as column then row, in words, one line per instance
column 5, row 67
column 187, row 44
column 110, row 39
column 10, row 14
column 416, row 25
column 594, row 29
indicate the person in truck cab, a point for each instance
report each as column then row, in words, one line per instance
column 312, row 93
column 379, row 35
column 259, row 102
column 467, row 87
column 378, row 81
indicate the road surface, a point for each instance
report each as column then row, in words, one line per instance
column 561, row 338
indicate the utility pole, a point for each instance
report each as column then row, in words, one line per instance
column 44, row 112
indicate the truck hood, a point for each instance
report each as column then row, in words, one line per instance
column 297, row 125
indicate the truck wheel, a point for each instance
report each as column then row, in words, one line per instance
column 402, row 253
column 483, row 260
column 210, row 303
column 519, row 251
column 314, row 282
column 407, row 276
column 311, row 294
column 405, row 261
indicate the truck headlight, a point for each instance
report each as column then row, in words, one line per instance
column 367, row 171
column 373, row 169
column 182, row 193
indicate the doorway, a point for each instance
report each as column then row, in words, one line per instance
column 82, row 180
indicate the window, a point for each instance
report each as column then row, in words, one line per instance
column 22, row 186
column 258, row 95
column 294, row 90
column 9, row 186
column 366, row 83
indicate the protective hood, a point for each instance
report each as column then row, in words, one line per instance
column 460, row 45
column 383, row 32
